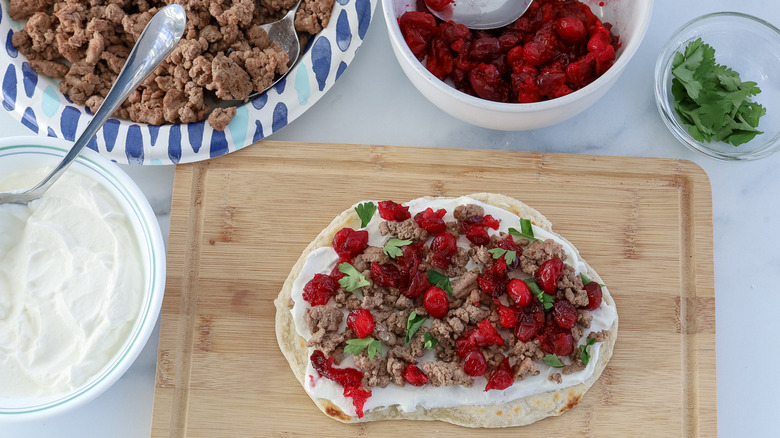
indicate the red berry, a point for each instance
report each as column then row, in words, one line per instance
column 414, row 376
column 594, row 295
column 486, row 285
column 348, row 243
column 335, row 273
column 385, row 275
column 476, row 234
column 431, row 221
column 519, row 292
column 444, row 246
column 548, row 274
column 535, row 53
column 507, row 316
column 557, row 342
column 502, row 377
column 437, row 5
column 474, row 364
column 390, row 211
column 346, row 377
column 486, row 335
column 436, row 302
column 571, row 29
column 527, row 327
column 361, row 322
column 464, row 345
column 564, row 314
column 418, row 284
column 319, row 289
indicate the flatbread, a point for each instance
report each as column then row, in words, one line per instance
column 519, row 412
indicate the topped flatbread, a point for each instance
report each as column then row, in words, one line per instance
column 468, row 310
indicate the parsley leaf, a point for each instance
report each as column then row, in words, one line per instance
column 393, row 247
column 352, row 279
column 546, row 299
column 711, row 99
column 355, row 346
column 526, row 230
column 365, row 212
column 439, row 280
column 585, row 279
column 509, row 256
column 413, row 323
column 551, row 360
column 430, row 341
column 584, row 355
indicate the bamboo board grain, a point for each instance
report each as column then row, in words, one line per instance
column 239, row 223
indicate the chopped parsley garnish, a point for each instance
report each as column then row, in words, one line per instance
column 365, row 212
column 393, row 247
column 546, row 299
column 584, row 355
column 352, row 279
column 355, row 346
column 413, row 323
column 439, row 280
column 429, row 341
column 552, row 360
column 509, row 256
column 526, row 230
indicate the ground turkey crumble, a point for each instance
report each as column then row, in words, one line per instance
column 471, row 306
column 84, row 44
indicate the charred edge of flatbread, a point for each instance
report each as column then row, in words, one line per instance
column 519, row 412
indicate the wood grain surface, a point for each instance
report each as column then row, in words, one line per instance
column 239, row 223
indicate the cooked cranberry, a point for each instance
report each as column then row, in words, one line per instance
column 502, row 377
column 571, row 29
column 348, row 243
column 519, row 292
column 485, row 47
column 359, row 397
column 487, row 83
column 335, row 273
column 444, row 246
column 464, row 345
column 535, row 53
column 486, row 285
column 418, row 284
column 390, row 211
column 548, row 274
column 436, row 302
column 476, row 234
column 414, row 376
column 557, row 342
column 486, row 335
column 410, row 260
column 565, row 314
column 527, row 327
column 346, row 377
column 438, row 5
column 431, row 221
column 417, row 28
column 474, row 364
column 385, row 274
column 361, row 322
column 319, row 289
column 440, row 61
column 594, row 295
column 507, row 316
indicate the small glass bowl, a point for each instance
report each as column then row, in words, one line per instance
column 748, row 45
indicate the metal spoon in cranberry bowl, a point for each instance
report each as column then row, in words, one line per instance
column 479, row 14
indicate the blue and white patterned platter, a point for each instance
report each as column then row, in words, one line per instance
column 39, row 105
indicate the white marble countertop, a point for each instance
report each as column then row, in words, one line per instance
column 374, row 103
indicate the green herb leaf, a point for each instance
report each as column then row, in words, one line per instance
column 546, row 300
column 585, row 279
column 429, row 341
column 352, row 279
column 413, row 323
column 584, row 355
column 509, row 256
column 439, row 280
column 355, row 346
column 711, row 99
column 365, row 212
column 393, row 247
column 526, row 230
column 551, row 360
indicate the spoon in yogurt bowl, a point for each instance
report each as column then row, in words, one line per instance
column 157, row 40
column 479, row 14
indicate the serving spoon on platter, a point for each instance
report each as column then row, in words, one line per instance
column 157, row 40
column 479, row 14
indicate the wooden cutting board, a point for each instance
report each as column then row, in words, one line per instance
column 239, row 223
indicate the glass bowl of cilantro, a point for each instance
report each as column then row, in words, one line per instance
column 717, row 86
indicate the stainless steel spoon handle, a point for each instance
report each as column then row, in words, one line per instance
column 157, row 40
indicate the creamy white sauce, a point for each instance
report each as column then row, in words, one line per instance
column 409, row 398
column 71, row 285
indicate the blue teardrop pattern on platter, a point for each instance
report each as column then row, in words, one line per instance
column 110, row 132
column 341, row 69
column 280, row 117
column 9, row 47
column 134, row 145
column 219, row 144
column 320, row 61
column 363, row 9
column 174, row 144
column 260, row 101
column 258, row 132
column 92, row 144
column 69, row 121
column 195, row 132
column 28, row 120
column 50, row 101
column 29, row 79
column 343, row 2
column 343, row 33
column 154, row 131
column 9, row 88
column 50, row 132
column 279, row 87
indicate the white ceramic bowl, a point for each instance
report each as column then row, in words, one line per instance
column 33, row 152
column 629, row 18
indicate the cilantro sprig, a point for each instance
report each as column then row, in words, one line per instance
column 711, row 99
column 413, row 323
column 552, row 360
column 509, row 255
column 586, row 280
column 356, row 346
column 393, row 247
column 546, row 299
column 352, row 279
column 584, row 354
column 365, row 212
column 429, row 342
column 526, row 230
column 439, row 280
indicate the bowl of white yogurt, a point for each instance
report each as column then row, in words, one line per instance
column 82, row 276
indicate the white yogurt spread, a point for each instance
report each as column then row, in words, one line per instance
column 409, row 398
column 71, row 285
